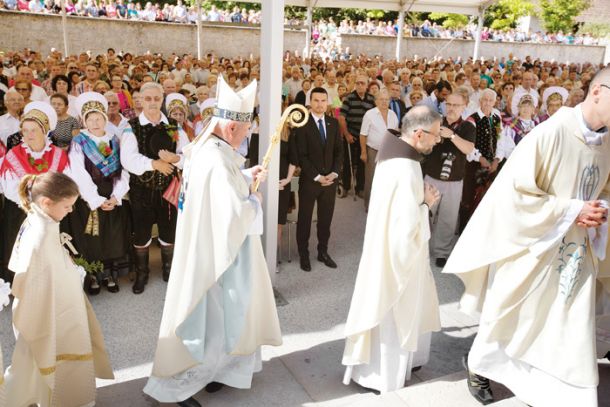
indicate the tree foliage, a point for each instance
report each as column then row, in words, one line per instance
column 505, row 14
column 596, row 29
column 449, row 20
column 559, row 15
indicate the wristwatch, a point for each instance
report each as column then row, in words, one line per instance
column 452, row 136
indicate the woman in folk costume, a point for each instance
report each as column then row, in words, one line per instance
column 530, row 258
column 219, row 308
column 176, row 106
column 203, row 118
column 552, row 100
column 5, row 291
column 99, row 221
column 517, row 128
column 35, row 155
column 59, row 348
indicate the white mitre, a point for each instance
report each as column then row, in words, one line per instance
column 230, row 105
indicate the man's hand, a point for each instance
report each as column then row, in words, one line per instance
column 163, row 167
column 484, row 163
column 283, row 183
column 168, row 156
column 592, row 215
column 446, row 132
column 259, row 173
column 363, row 157
column 349, row 138
column 431, row 195
column 326, row 180
column 494, row 166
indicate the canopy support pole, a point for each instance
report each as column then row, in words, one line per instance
column 272, row 49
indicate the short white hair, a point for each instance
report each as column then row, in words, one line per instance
column 151, row 85
column 11, row 91
column 489, row 92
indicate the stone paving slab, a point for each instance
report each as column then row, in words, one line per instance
column 306, row 370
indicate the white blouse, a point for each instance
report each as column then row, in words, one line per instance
column 86, row 186
column 374, row 127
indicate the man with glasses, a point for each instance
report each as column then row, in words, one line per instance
column 394, row 307
column 534, row 260
column 355, row 105
column 36, row 92
column 445, row 168
column 10, row 122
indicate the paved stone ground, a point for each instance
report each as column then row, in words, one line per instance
column 306, row 370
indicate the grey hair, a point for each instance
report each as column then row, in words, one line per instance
column 10, row 91
column 110, row 94
column 419, row 117
column 151, row 85
column 490, row 92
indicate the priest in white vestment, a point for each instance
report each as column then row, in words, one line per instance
column 529, row 259
column 219, row 308
column 395, row 306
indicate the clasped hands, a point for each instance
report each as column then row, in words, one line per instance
column 166, row 161
column 327, row 180
column 431, row 195
column 109, row 204
column 592, row 215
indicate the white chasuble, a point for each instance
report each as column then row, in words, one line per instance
column 531, row 272
column 395, row 301
column 219, row 307
column 59, row 349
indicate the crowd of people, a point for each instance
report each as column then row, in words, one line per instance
column 321, row 30
column 122, row 127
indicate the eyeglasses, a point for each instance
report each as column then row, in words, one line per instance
column 21, row 89
column 113, row 103
column 605, row 86
column 430, row 133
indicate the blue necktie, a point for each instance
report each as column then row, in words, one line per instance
column 322, row 132
column 395, row 108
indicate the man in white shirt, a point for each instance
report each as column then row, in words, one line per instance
column 375, row 124
column 526, row 88
column 9, row 122
column 293, row 83
column 150, row 151
column 25, row 73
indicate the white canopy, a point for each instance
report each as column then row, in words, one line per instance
column 470, row 7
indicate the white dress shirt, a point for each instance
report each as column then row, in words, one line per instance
column 374, row 127
column 8, row 125
column 137, row 163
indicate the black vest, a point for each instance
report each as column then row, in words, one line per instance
column 151, row 139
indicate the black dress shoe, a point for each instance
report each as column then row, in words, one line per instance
column 305, row 264
column 190, row 402
column 325, row 258
column 440, row 262
column 213, row 387
column 478, row 385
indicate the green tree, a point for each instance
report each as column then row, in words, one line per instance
column 559, row 15
column 505, row 14
column 449, row 20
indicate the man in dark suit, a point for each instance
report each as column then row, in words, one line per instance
column 396, row 104
column 320, row 152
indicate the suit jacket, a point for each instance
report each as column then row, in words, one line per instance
column 315, row 157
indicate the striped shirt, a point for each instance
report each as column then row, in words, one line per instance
column 354, row 108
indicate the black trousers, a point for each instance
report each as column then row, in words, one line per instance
column 147, row 208
column 311, row 193
column 356, row 163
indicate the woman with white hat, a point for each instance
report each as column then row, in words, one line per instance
column 176, row 106
column 34, row 155
column 98, row 222
column 553, row 99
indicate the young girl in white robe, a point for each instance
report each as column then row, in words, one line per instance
column 59, row 345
